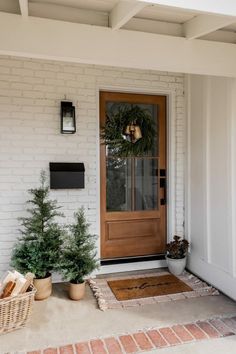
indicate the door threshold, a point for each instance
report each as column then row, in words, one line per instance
column 132, row 265
column 132, row 259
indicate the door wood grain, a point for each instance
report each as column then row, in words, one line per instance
column 129, row 233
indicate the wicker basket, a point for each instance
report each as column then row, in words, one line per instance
column 15, row 311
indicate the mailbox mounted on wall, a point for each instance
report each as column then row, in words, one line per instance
column 66, row 175
column 68, row 125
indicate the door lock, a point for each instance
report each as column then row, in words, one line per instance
column 163, row 187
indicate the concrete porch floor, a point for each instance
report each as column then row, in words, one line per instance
column 59, row 321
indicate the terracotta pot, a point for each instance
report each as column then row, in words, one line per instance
column 44, row 287
column 76, row 291
column 176, row 266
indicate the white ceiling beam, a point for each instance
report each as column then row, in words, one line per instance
column 204, row 24
column 154, row 26
column 123, row 11
column 221, row 7
column 221, row 36
column 67, row 13
column 80, row 43
column 24, row 8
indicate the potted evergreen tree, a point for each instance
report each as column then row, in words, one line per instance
column 176, row 255
column 78, row 255
column 37, row 250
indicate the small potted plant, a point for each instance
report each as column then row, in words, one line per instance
column 176, row 255
column 78, row 255
column 37, row 250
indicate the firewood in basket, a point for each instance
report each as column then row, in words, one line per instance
column 8, row 289
column 29, row 280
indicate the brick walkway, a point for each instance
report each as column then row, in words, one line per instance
column 150, row 339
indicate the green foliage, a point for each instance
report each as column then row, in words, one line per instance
column 113, row 132
column 37, row 250
column 78, row 256
column 178, row 248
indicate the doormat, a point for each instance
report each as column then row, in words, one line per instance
column 149, row 288
column 128, row 289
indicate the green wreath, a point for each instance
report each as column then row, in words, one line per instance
column 114, row 134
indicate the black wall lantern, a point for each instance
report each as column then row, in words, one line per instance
column 67, row 118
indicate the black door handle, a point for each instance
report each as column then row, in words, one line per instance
column 163, row 185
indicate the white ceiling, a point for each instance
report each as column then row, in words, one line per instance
column 160, row 13
column 93, row 5
column 11, row 6
column 231, row 28
column 152, row 18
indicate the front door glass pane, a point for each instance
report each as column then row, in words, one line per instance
column 146, row 184
column 132, row 183
column 118, row 188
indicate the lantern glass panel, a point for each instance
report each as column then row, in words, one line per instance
column 67, row 118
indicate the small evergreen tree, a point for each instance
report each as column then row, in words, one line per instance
column 78, row 257
column 37, row 250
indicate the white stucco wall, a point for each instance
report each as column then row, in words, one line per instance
column 211, row 212
column 30, row 95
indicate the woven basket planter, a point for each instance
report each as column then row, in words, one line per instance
column 15, row 311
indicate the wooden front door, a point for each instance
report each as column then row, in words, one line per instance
column 133, row 190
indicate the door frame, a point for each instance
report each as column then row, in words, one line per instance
column 170, row 154
column 153, row 220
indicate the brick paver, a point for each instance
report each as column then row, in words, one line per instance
column 221, row 327
column 182, row 333
column 113, row 346
column 169, row 336
column 98, row 347
column 230, row 323
column 67, row 349
column 82, row 348
column 50, row 351
column 129, row 344
column 208, row 329
column 196, row 332
column 143, row 341
column 157, row 339
column 147, row 340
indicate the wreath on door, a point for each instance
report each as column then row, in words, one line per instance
column 128, row 131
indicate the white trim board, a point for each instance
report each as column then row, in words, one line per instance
column 233, row 176
column 187, row 201
column 73, row 42
column 129, row 267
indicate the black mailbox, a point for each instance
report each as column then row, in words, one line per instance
column 66, row 175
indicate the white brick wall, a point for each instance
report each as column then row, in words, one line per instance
column 30, row 95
